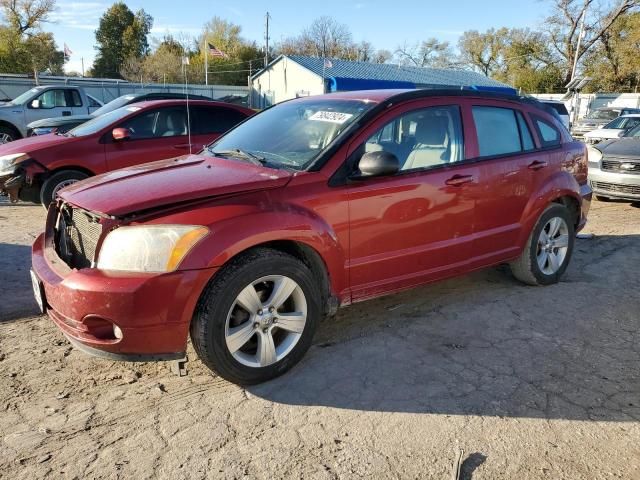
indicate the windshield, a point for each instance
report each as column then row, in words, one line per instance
column 20, row 99
column 114, row 104
column 634, row 132
column 103, row 121
column 622, row 123
column 603, row 114
column 293, row 133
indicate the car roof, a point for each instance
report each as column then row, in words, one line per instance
column 394, row 96
column 171, row 102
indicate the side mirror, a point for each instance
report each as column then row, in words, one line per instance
column 377, row 164
column 35, row 103
column 120, row 134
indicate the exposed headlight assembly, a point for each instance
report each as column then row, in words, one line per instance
column 149, row 248
column 594, row 155
column 8, row 163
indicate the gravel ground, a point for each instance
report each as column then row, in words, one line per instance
column 514, row 382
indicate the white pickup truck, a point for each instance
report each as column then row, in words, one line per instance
column 42, row 102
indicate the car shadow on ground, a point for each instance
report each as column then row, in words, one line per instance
column 16, row 294
column 486, row 345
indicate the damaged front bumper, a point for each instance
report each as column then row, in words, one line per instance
column 11, row 184
column 22, row 181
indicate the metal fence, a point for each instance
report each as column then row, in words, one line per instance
column 106, row 90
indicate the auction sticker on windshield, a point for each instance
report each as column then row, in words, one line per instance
column 333, row 117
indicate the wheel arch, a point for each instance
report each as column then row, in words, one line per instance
column 561, row 188
column 4, row 123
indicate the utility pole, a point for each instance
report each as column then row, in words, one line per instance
column 580, row 35
column 266, row 40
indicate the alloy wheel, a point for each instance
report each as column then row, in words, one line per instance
column 553, row 244
column 266, row 321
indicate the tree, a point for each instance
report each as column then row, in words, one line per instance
column 121, row 35
column 24, row 47
column 428, row 53
column 483, row 51
column 563, row 26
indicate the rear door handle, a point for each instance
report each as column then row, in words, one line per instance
column 458, row 180
column 181, row 146
column 537, row 165
column 66, row 113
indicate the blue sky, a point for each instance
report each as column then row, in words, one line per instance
column 380, row 22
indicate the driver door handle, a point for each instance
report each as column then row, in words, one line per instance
column 182, row 146
column 458, row 180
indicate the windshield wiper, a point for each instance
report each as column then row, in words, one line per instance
column 243, row 154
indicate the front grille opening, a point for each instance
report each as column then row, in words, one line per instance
column 621, row 166
column 616, row 188
column 76, row 237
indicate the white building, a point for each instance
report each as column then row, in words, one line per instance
column 291, row 76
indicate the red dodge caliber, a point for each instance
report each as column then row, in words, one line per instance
column 310, row 205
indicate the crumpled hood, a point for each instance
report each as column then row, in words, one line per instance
column 167, row 182
column 31, row 145
column 57, row 121
column 626, row 147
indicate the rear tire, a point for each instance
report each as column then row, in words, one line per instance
column 548, row 250
column 58, row 181
column 245, row 331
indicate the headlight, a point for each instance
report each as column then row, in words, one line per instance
column 7, row 162
column 153, row 248
column 593, row 154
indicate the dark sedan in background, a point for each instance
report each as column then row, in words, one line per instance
column 64, row 124
column 614, row 167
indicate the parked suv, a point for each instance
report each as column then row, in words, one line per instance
column 314, row 203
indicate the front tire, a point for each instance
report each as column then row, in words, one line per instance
column 549, row 248
column 256, row 318
column 601, row 198
column 8, row 134
column 57, row 182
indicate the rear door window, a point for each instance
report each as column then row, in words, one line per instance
column 208, row 120
column 74, row 99
column 498, row 131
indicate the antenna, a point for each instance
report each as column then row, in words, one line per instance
column 185, row 62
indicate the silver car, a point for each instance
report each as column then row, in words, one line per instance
column 598, row 118
column 614, row 167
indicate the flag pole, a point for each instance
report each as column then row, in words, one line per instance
column 206, row 61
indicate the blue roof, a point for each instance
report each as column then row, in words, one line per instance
column 421, row 77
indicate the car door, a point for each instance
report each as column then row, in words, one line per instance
column 508, row 161
column 208, row 122
column 50, row 103
column 416, row 225
column 155, row 134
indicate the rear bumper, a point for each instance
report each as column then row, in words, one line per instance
column 151, row 311
column 625, row 186
column 586, row 193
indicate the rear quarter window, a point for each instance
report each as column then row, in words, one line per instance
column 548, row 133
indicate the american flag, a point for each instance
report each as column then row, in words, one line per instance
column 67, row 51
column 215, row 52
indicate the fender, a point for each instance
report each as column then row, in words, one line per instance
column 560, row 184
column 256, row 226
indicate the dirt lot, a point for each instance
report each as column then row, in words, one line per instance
column 527, row 382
